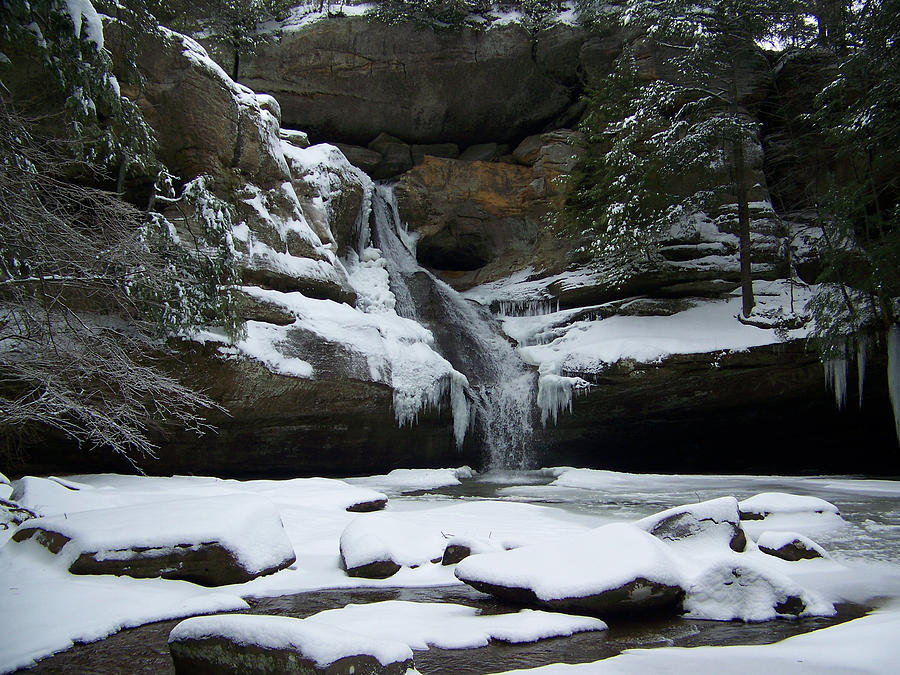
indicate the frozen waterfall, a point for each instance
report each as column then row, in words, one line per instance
column 501, row 388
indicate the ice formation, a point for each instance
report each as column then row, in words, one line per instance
column 836, row 380
column 555, row 393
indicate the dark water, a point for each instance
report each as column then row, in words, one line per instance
column 144, row 650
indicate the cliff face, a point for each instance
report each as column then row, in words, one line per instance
column 476, row 129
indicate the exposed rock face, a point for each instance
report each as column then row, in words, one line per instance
column 705, row 412
column 348, row 79
column 205, row 123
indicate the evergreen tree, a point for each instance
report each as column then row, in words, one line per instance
column 237, row 23
column 689, row 122
column 858, row 116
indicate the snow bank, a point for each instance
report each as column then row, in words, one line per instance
column 321, row 643
column 782, row 503
column 590, row 346
column 449, row 626
column 410, row 480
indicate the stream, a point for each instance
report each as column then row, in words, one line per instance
column 872, row 535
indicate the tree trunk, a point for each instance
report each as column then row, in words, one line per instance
column 741, row 192
column 237, row 65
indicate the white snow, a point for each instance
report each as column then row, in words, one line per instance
column 322, row 643
column 865, row 645
column 46, row 608
column 410, row 480
column 783, row 503
column 590, row 346
column 88, row 25
column 413, row 540
column 422, row 625
column 5, row 487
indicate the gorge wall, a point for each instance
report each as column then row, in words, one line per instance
column 477, row 129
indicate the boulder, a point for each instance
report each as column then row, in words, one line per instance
column 368, row 506
column 448, row 150
column 527, row 151
column 242, row 643
column 455, row 553
column 715, row 521
column 211, row 541
column 350, row 78
column 483, row 152
column 376, row 546
column 297, row 138
column 745, row 592
column 789, row 546
column 360, row 157
column 615, row 569
column 205, row 123
column 396, row 156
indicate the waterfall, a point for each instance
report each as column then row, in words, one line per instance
column 501, row 386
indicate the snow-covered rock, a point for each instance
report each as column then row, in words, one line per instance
column 790, row 546
column 212, row 541
column 726, row 591
column 242, row 643
column 378, row 545
column 764, row 504
column 712, row 521
column 617, row 568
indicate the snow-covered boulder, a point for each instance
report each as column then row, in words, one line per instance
column 241, row 643
column 765, row 504
column 378, row 545
column 212, row 540
column 789, row 546
column 617, row 568
column 715, row 520
column 726, row 591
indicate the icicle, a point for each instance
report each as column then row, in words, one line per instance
column 862, row 347
column 459, row 405
column 519, row 308
column 555, row 394
column 836, row 380
column 894, row 372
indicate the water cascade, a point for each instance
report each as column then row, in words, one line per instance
column 501, row 387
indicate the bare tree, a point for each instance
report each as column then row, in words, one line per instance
column 89, row 286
